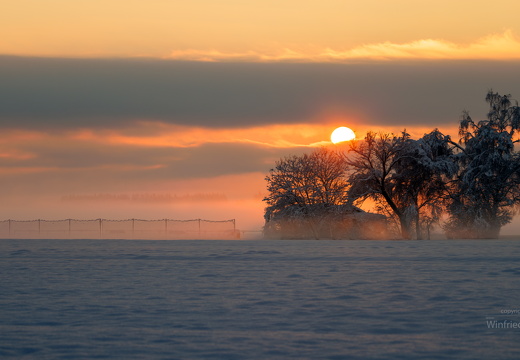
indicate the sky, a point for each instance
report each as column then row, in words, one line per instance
column 199, row 98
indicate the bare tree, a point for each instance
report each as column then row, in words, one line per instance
column 375, row 171
column 305, row 187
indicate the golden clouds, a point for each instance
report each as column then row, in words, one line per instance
column 505, row 46
column 493, row 47
column 157, row 134
column 151, row 151
column 253, row 56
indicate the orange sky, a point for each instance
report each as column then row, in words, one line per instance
column 187, row 97
column 260, row 29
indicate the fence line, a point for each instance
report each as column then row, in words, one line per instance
column 118, row 229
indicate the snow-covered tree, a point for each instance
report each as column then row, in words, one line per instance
column 487, row 189
column 425, row 174
column 406, row 178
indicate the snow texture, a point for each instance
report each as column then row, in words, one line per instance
column 131, row 299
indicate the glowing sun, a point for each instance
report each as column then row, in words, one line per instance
column 342, row 134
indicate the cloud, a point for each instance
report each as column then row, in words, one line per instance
column 159, row 134
column 104, row 92
column 248, row 56
column 503, row 46
column 102, row 158
column 107, row 94
column 493, row 47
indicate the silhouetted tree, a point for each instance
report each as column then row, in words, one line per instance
column 303, row 187
column 426, row 173
column 375, row 172
column 487, row 188
column 406, row 178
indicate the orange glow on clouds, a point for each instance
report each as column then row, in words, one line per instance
column 158, row 134
column 505, row 46
column 16, row 155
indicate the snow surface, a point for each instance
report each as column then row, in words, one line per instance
column 129, row 299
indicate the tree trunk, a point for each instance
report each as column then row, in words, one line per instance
column 312, row 226
column 405, row 224
column 405, row 227
column 418, row 228
column 493, row 232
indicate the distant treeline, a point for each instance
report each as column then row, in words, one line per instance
column 146, row 197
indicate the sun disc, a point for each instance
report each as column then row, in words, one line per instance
column 342, row 133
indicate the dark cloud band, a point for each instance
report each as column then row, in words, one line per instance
column 71, row 93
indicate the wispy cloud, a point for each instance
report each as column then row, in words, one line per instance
column 504, row 46
column 255, row 56
column 149, row 151
column 158, row 134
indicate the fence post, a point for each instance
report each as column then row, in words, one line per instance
column 69, row 229
column 235, row 234
column 199, row 228
column 133, row 228
column 100, row 228
column 9, row 227
column 39, row 228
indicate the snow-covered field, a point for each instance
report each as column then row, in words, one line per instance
column 118, row 299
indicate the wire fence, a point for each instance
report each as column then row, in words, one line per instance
column 161, row 229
